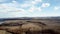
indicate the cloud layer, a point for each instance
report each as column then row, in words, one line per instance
column 25, row 8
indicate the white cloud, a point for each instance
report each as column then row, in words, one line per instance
column 7, row 7
column 14, row 1
column 45, row 4
column 14, row 9
column 38, row 0
column 25, row 5
column 56, row 8
column 11, row 10
column 33, row 2
column 33, row 9
column 31, row 5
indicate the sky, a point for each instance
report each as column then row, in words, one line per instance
column 29, row 8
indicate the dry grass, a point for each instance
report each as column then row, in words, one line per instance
column 29, row 27
column 2, row 32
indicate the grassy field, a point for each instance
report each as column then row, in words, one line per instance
column 46, row 24
column 2, row 32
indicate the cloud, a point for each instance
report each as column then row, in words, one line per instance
column 14, row 9
column 33, row 9
column 36, row 1
column 7, row 7
column 56, row 8
column 11, row 10
column 30, row 3
column 25, row 5
column 45, row 5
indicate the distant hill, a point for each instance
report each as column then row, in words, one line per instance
column 29, row 18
